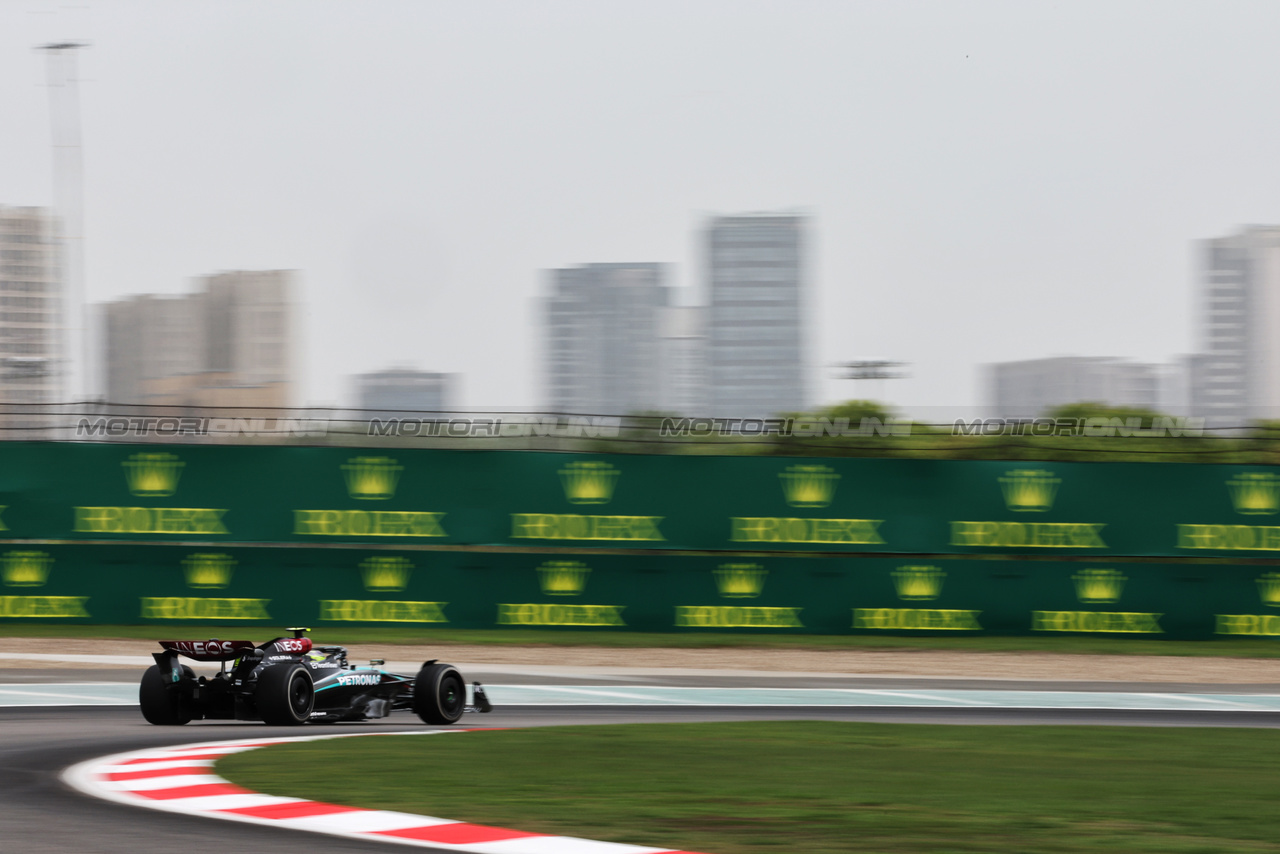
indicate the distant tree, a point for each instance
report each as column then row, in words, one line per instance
column 1264, row 429
column 856, row 410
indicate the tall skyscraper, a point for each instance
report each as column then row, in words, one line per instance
column 229, row 343
column 756, row 318
column 1237, row 377
column 32, row 361
column 601, row 339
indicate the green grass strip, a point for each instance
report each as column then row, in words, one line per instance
column 815, row 787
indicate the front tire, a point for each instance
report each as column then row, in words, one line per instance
column 161, row 706
column 285, row 695
column 439, row 694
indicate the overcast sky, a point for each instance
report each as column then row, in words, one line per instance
column 987, row 180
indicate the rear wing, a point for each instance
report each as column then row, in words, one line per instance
column 210, row 650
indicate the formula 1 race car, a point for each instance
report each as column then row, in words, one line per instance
column 288, row 681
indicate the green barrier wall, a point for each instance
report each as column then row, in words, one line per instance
column 169, row 584
column 326, row 495
column 126, row 533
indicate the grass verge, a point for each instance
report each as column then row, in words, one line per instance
column 1224, row 647
column 816, row 787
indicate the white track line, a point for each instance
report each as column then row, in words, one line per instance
column 180, row 779
column 918, row 695
column 24, row 692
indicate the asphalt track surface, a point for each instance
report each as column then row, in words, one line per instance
column 38, row 813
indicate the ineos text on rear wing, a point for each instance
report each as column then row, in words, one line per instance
column 209, row 650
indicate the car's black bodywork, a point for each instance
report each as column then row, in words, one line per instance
column 289, row 681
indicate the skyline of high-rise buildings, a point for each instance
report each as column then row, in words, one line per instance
column 229, row 343
column 1231, row 378
column 618, row 340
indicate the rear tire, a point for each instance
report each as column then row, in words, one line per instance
column 285, row 695
column 160, row 706
column 439, row 694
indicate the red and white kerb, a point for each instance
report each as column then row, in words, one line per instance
column 181, row 779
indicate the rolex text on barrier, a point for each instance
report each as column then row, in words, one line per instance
column 737, row 617
column 1261, row 625
column 559, row 614
column 190, row 521
column 380, row 611
column 202, row 608
column 44, row 607
column 356, row 524
column 916, row 619
column 1111, row 622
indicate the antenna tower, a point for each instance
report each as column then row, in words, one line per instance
column 68, row 197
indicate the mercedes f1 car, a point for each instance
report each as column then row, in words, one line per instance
column 288, row 681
